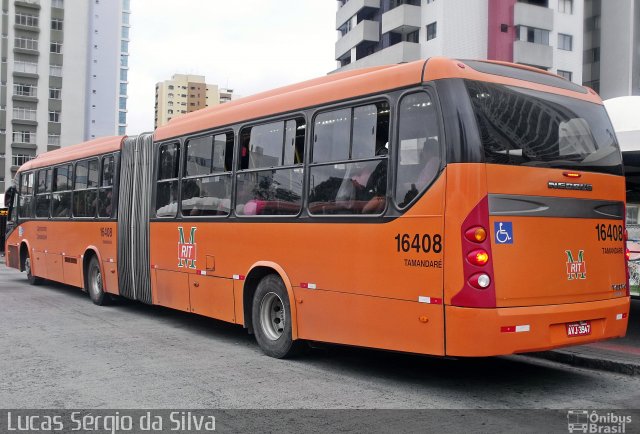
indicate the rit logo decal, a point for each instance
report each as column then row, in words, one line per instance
column 187, row 251
column 576, row 267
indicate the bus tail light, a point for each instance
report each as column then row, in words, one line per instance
column 476, row 234
column 478, row 257
column 480, row 281
column 478, row 289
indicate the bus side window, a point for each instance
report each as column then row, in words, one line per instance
column 271, row 174
column 43, row 193
column 62, row 185
column 419, row 154
column 86, row 182
column 25, row 208
column 206, row 180
column 105, row 190
column 350, row 161
column 167, row 184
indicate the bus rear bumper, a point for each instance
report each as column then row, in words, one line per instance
column 474, row 332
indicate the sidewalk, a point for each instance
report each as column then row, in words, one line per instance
column 618, row 355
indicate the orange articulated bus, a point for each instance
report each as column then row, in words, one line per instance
column 445, row 207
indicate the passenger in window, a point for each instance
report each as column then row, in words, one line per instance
column 430, row 164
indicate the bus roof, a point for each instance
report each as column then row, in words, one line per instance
column 361, row 82
column 103, row 145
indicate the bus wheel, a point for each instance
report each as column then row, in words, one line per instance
column 271, row 314
column 94, row 283
column 33, row 280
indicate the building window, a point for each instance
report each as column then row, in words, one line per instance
column 57, row 4
column 565, row 74
column 25, row 90
column 26, row 43
column 53, row 140
column 56, row 47
column 24, row 114
column 565, row 42
column 533, row 35
column 123, row 88
column 55, row 70
column 122, row 131
column 24, row 137
column 123, row 75
column 124, row 46
column 122, row 118
column 431, row 30
column 123, row 103
column 124, row 60
column 125, row 32
column 28, row 67
column 54, row 116
column 565, row 6
column 56, row 24
column 125, row 18
column 19, row 159
column 54, row 93
column 413, row 36
column 26, row 20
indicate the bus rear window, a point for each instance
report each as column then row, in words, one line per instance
column 524, row 127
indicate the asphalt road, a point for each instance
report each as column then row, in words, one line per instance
column 58, row 350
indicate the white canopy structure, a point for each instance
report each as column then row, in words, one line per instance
column 625, row 116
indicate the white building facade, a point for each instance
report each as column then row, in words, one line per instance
column 547, row 34
column 62, row 63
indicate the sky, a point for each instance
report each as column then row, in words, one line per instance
column 246, row 45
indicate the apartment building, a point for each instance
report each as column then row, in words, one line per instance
column 547, row 34
column 185, row 94
column 63, row 73
column 612, row 47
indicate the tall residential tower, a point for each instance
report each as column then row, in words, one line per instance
column 547, row 34
column 63, row 73
column 185, row 94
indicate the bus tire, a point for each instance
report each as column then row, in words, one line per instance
column 33, row 280
column 94, row 283
column 271, row 315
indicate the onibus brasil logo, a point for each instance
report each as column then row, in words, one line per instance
column 187, row 251
column 576, row 268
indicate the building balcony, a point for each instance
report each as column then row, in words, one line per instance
column 525, row 14
column 365, row 31
column 403, row 19
column 352, row 7
column 532, row 54
column 33, row 4
column 398, row 53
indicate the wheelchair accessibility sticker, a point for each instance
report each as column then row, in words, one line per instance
column 503, row 232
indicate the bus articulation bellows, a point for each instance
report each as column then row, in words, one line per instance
column 445, row 207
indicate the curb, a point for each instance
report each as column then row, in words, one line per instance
column 584, row 361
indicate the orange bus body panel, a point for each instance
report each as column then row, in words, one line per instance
column 478, row 332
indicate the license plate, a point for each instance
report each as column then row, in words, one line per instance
column 582, row 328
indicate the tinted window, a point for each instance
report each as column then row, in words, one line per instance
column 331, row 136
column 85, row 198
column 419, row 154
column 168, row 163
column 43, row 193
column 265, row 145
column 207, row 196
column 198, row 156
column 62, row 176
column 106, row 202
column 223, row 152
column 348, row 187
column 294, row 142
column 25, row 207
column 352, row 188
column 167, row 188
column 519, row 126
column 270, row 192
